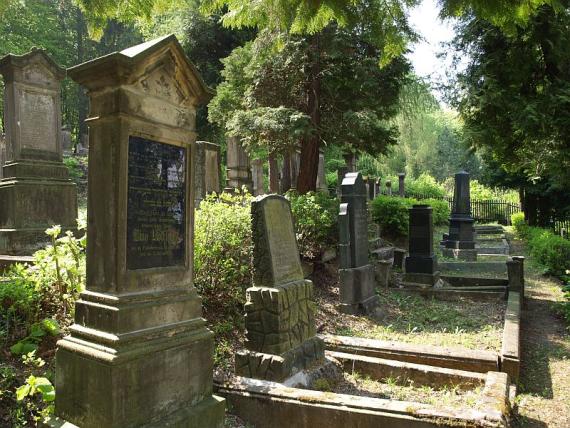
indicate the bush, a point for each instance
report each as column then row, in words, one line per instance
column 441, row 211
column 426, row 186
column 392, row 214
column 315, row 216
column 222, row 254
column 549, row 250
column 519, row 224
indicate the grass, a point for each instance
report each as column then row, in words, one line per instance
column 402, row 389
column 414, row 319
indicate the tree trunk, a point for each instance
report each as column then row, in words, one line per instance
column 273, row 174
column 82, row 102
column 531, row 209
column 309, row 167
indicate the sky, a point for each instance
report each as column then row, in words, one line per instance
column 424, row 19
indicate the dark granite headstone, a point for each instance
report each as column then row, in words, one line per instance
column 377, row 185
column 421, row 264
column 344, row 237
column 401, row 184
column 353, row 192
column 371, row 184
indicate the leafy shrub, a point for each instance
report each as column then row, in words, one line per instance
column 549, row 250
column 441, row 211
column 222, row 253
column 315, row 215
column 564, row 307
column 45, row 289
column 519, row 224
column 426, row 186
column 393, row 216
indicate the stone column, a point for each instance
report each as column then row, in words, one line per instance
column 389, row 187
column 238, row 167
column 356, row 273
column 321, row 174
column 257, row 174
column 371, row 184
column 377, row 188
column 421, row 264
column 281, row 332
column 460, row 242
column 401, row 185
column 515, row 271
column 139, row 352
column 36, row 191
column 207, row 172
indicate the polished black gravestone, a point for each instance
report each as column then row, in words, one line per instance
column 156, row 216
column 460, row 243
column 356, row 273
column 421, row 264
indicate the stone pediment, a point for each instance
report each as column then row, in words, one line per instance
column 158, row 67
column 35, row 68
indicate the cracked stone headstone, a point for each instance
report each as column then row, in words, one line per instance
column 139, row 352
column 34, row 175
column 281, row 332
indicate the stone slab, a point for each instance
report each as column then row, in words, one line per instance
column 452, row 358
column 511, row 347
column 460, row 254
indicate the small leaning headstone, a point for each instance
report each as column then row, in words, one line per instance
column 421, row 263
column 356, row 273
column 281, row 331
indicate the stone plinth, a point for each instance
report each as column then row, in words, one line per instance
column 357, row 279
column 421, row 264
column 281, row 333
column 238, row 167
column 35, row 191
column 460, row 242
column 139, row 352
column 207, row 172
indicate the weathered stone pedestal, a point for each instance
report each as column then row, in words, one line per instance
column 421, row 264
column 460, row 242
column 35, row 191
column 357, row 276
column 281, row 333
column 139, row 353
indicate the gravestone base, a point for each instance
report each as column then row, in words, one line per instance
column 382, row 269
column 29, row 206
column 469, row 255
column 137, row 360
column 277, row 368
column 423, row 280
column 460, row 234
column 357, row 290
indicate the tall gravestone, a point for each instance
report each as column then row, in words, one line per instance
column 401, row 184
column 35, row 191
column 356, row 273
column 460, row 242
column 139, row 352
column 257, row 175
column 238, row 167
column 321, row 174
column 371, row 184
column 421, row 264
column 207, row 173
column 389, row 187
column 281, row 332
column 377, row 187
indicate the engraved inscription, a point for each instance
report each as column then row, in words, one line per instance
column 156, row 215
column 38, row 129
column 282, row 244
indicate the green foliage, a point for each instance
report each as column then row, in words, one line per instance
column 393, row 216
column 45, row 289
column 564, row 307
column 315, row 216
column 222, row 253
column 38, row 330
column 519, row 223
column 425, row 185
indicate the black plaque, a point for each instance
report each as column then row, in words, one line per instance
column 156, row 209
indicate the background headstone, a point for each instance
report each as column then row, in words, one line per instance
column 66, row 144
column 139, row 352
column 356, row 273
column 421, row 264
column 460, row 242
column 207, row 172
column 321, row 174
column 238, row 167
column 257, row 174
column 281, row 332
column 377, row 187
column 389, row 187
column 34, row 175
column 401, row 185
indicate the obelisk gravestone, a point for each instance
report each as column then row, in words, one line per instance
column 139, row 352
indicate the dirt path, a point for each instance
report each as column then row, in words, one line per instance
column 544, row 390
